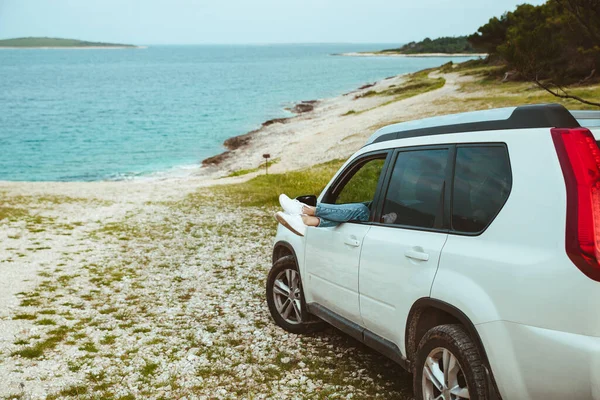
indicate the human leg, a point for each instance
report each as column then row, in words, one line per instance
column 342, row 212
column 310, row 220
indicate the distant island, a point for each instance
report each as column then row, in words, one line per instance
column 441, row 47
column 47, row 42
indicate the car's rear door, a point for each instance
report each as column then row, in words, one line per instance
column 400, row 253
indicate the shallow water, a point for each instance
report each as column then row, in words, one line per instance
column 83, row 115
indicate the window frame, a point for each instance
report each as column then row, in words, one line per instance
column 442, row 213
column 451, row 186
column 351, row 169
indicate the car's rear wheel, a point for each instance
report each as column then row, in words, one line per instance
column 448, row 366
column 285, row 298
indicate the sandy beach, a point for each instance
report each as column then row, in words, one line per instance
column 335, row 128
column 150, row 289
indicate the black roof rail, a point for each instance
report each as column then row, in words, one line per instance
column 522, row 117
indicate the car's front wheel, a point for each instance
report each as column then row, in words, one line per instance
column 448, row 366
column 285, row 298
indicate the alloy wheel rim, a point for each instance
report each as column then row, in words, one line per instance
column 287, row 294
column 443, row 377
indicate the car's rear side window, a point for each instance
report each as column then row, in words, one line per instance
column 414, row 195
column 482, row 182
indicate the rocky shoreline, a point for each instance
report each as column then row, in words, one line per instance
column 236, row 142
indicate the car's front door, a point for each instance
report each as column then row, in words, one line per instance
column 401, row 251
column 332, row 254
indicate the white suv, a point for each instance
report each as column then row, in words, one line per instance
column 487, row 283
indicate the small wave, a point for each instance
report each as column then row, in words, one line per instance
column 179, row 171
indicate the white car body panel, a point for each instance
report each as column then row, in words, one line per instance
column 331, row 270
column 536, row 313
column 390, row 282
column 536, row 363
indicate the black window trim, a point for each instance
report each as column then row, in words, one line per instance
column 351, row 169
column 383, row 193
column 510, row 175
column 448, row 188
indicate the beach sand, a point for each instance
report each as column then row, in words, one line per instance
column 138, row 282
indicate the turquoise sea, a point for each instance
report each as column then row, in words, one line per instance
column 84, row 115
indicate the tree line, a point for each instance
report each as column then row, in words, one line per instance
column 554, row 44
column 458, row 44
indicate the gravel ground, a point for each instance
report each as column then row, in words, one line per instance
column 160, row 300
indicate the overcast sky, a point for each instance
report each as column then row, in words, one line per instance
column 247, row 21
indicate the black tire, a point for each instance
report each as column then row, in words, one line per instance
column 455, row 339
column 306, row 322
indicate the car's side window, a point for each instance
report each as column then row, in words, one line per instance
column 482, row 182
column 362, row 185
column 414, row 196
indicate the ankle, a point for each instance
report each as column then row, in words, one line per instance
column 307, row 210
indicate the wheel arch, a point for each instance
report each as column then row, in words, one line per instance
column 427, row 313
column 282, row 249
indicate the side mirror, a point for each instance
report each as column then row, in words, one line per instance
column 309, row 200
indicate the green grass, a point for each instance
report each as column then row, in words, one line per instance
column 242, row 172
column 25, row 316
column 46, row 321
column 75, row 391
column 416, row 84
column 12, row 213
column 37, row 350
column 149, row 369
column 487, row 90
column 264, row 190
column 89, row 347
column 108, row 339
column 262, row 166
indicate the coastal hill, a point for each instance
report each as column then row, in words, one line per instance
column 33, row 42
column 440, row 47
column 444, row 45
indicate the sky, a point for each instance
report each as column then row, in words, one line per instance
column 248, row 21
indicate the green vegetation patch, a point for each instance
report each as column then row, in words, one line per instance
column 25, row 316
column 12, row 213
column 447, row 45
column 262, row 166
column 488, row 90
column 55, row 336
column 417, row 83
column 241, row 172
column 73, row 391
column 149, row 369
column 55, row 42
column 264, row 190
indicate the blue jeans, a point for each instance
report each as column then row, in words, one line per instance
column 333, row 214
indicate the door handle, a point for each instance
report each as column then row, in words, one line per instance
column 416, row 255
column 352, row 242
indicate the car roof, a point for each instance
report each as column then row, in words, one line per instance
column 522, row 117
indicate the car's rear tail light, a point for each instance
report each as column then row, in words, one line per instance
column 579, row 158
